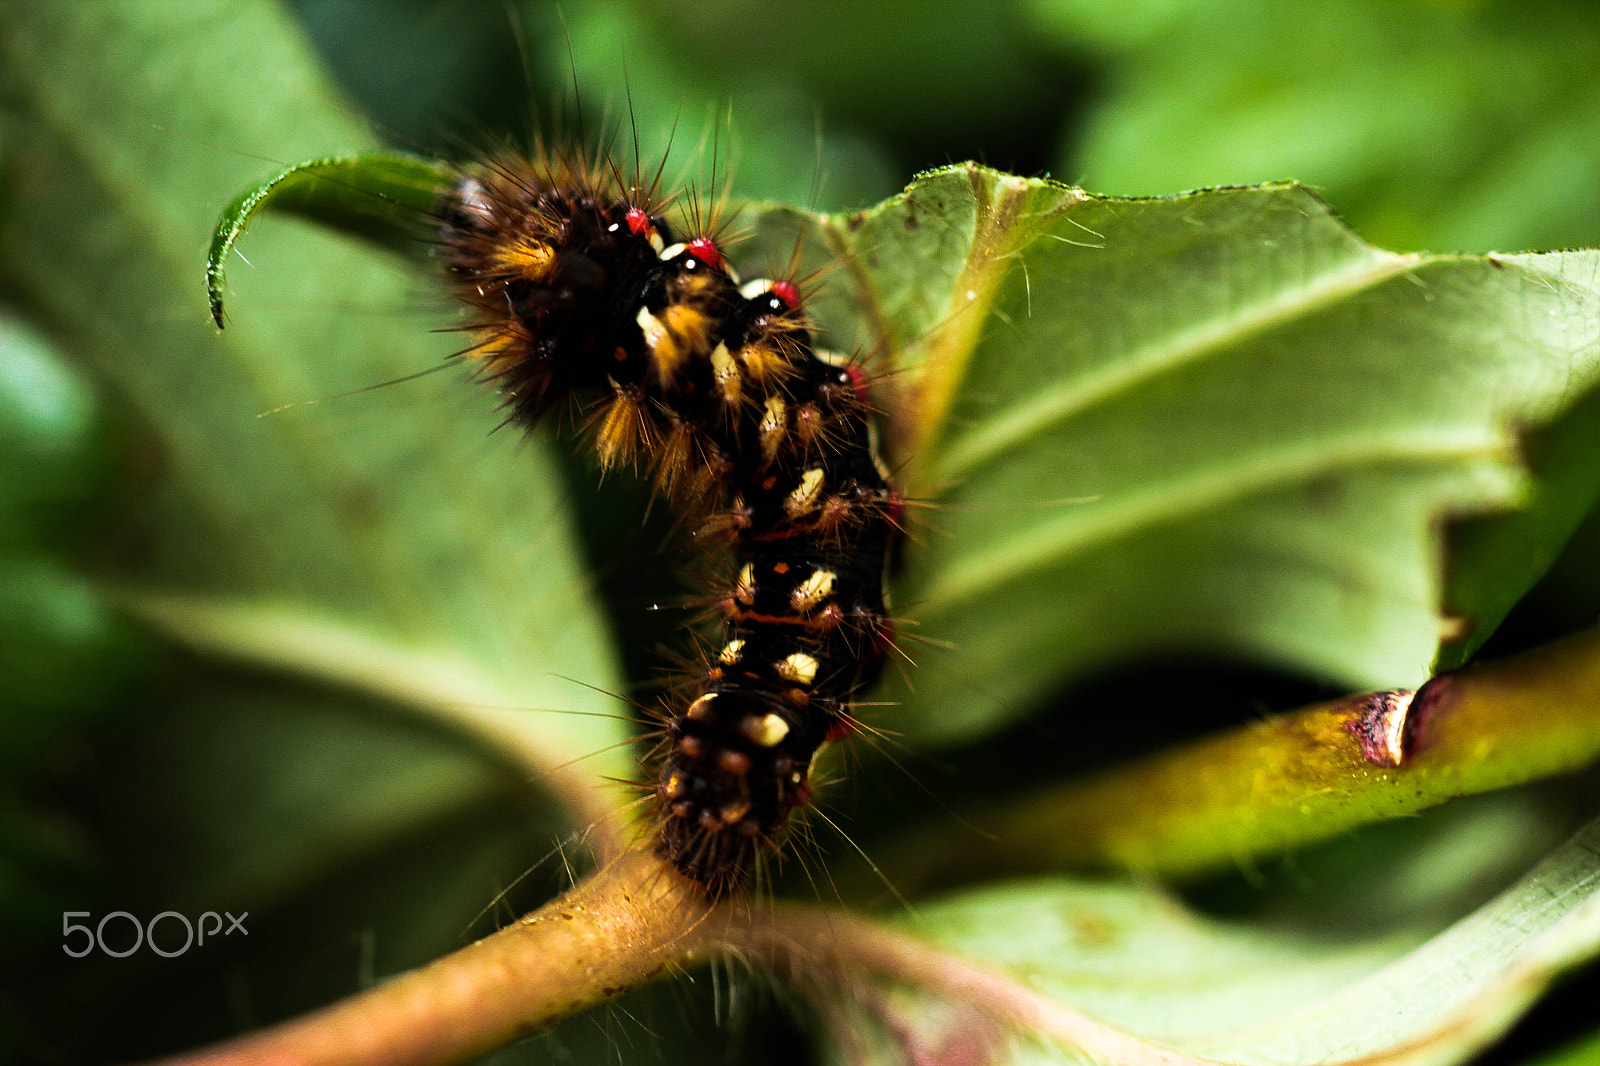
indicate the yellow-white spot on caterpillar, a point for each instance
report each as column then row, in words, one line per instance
column 700, row 709
column 725, row 372
column 803, row 499
column 670, row 251
column 731, row 652
column 671, row 338
column 744, row 589
column 773, row 424
column 656, row 242
column 751, row 289
column 767, row 731
column 675, row 786
column 654, row 330
column 799, row 668
column 813, row 590
column 832, row 358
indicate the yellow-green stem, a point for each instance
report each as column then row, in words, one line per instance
column 621, row 928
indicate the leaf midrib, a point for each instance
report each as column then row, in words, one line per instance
column 1168, row 502
column 1219, row 334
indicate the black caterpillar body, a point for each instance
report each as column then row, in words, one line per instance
column 584, row 300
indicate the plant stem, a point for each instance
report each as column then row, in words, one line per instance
column 624, row 926
column 1296, row 778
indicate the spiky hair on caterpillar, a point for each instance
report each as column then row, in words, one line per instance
column 582, row 299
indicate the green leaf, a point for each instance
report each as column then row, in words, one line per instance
column 383, row 198
column 1492, row 561
column 1089, row 964
column 398, row 521
column 297, row 782
column 1216, row 422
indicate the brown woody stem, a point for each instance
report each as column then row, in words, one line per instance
column 621, row 928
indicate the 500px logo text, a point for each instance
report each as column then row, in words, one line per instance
column 123, row 924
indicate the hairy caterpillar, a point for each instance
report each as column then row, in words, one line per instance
column 585, row 299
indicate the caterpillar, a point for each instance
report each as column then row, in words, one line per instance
column 585, row 301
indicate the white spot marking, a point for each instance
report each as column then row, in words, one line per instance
column 767, row 731
column 655, row 331
column 799, row 668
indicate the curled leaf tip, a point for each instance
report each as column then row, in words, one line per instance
column 380, row 198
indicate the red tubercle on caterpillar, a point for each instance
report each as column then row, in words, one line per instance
column 859, row 381
column 706, row 250
column 830, row 617
column 788, row 292
column 638, row 222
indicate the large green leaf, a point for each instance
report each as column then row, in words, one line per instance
column 1086, row 966
column 397, row 527
column 1216, row 421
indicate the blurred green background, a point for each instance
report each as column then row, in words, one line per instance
column 1429, row 124
column 1445, row 125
